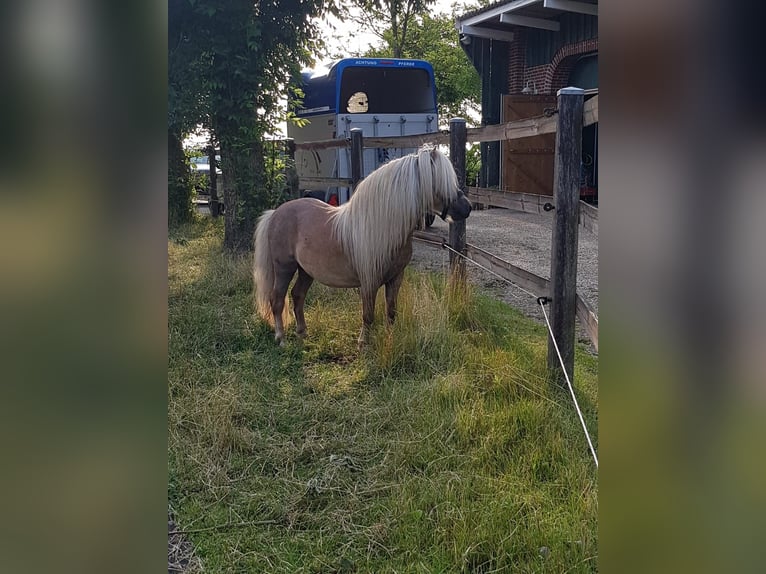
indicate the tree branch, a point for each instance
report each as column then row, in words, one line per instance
column 223, row 526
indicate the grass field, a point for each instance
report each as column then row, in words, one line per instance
column 442, row 447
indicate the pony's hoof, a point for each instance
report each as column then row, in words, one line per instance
column 301, row 334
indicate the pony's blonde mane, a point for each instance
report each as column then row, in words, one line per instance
column 386, row 207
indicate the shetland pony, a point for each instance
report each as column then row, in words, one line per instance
column 364, row 243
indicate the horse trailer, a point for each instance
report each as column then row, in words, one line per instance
column 383, row 97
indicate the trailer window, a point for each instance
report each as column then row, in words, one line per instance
column 381, row 90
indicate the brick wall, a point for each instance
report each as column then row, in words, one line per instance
column 516, row 57
column 548, row 78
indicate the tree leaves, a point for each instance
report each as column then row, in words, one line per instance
column 390, row 19
column 433, row 38
column 231, row 76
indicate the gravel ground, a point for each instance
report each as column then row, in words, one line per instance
column 523, row 239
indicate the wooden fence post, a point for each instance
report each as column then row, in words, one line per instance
column 457, row 140
column 357, row 156
column 291, row 170
column 213, row 181
column 566, row 195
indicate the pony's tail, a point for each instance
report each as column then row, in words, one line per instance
column 263, row 268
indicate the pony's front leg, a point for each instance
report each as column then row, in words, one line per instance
column 392, row 292
column 368, row 313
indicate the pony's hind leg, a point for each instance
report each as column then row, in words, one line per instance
column 392, row 293
column 282, row 278
column 298, row 292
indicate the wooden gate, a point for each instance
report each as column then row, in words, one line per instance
column 528, row 162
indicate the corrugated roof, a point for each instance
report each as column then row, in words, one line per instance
column 528, row 8
column 487, row 8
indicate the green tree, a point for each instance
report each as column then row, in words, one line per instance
column 245, row 53
column 186, row 104
column 391, row 20
column 472, row 164
column 434, row 39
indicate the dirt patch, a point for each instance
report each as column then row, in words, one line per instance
column 523, row 239
column 181, row 557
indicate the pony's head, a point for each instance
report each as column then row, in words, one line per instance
column 388, row 204
column 446, row 197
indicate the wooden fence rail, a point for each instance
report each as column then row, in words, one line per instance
column 394, row 141
column 500, row 132
column 590, row 112
column 521, row 277
column 589, row 217
column 527, row 202
column 588, row 319
column 530, row 203
column 569, row 213
column 513, row 130
column 307, row 182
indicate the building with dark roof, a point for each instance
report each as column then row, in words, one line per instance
column 524, row 52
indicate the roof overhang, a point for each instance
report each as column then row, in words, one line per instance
column 497, row 22
column 589, row 8
column 482, row 32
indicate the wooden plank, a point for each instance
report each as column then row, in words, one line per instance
column 588, row 217
column 513, row 130
column 521, row 170
column 590, row 112
column 531, row 151
column 527, row 202
column 500, row 132
column 308, row 182
column 408, row 141
column 588, row 319
column 394, row 141
column 534, row 173
column 322, row 144
column 530, row 203
column 430, row 237
column 521, row 277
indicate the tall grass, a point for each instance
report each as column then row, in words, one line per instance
column 443, row 446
